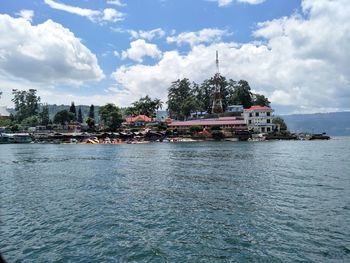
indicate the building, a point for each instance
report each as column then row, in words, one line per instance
column 138, row 121
column 235, row 108
column 225, row 123
column 259, row 119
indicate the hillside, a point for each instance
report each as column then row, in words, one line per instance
column 334, row 123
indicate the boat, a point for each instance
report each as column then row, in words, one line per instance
column 319, row 136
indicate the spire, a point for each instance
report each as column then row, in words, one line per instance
column 217, row 102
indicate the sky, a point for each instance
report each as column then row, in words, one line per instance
column 295, row 52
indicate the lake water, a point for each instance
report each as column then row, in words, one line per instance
column 185, row 202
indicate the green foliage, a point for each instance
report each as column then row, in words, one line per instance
column 110, row 116
column 63, row 117
column 5, row 122
column 217, row 135
column 144, row 106
column 80, row 118
column 26, row 103
column 44, row 116
column 260, row 100
column 280, row 121
column 15, row 127
column 181, row 100
column 31, row 121
column 195, row 129
column 241, row 94
column 91, row 123
column 92, row 112
column 73, row 110
column 215, row 128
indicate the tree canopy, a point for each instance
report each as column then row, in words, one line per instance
column 111, row 117
column 144, row 106
column 26, row 103
column 63, row 117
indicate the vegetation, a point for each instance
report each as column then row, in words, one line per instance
column 144, row 106
column 26, row 104
column 73, row 111
column 111, row 117
column 280, row 121
column 63, row 117
column 80, row 118
column 185, row 97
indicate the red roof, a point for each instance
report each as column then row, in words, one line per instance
column 258, row 108
column 139, row 118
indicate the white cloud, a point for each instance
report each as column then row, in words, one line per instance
column 224, row 3
column 148, row 35
column 303, row 62
column 139, row 49
column 206, row 35
column 26, row 14
column 116, row 2
column 252, row 2
column 108, row 14
column 112, row 15
column 44, row 53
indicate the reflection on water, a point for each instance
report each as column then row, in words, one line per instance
column 212, row 202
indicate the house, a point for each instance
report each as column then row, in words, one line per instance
column 138, row 121
column 259, row 119
column 235, row 108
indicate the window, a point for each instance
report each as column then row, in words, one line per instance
column 268, row 129
column 250, row 115
column 268, row 113
column 268, row 121
column 256, row 114
column 250, row 121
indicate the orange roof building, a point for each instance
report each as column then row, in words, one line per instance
column 139, row 118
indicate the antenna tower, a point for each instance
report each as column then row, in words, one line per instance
column 217, row 102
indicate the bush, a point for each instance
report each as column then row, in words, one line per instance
column 195, row 129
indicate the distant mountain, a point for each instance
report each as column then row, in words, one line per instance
column 333, row 123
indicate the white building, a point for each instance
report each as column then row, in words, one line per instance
column 259, row 119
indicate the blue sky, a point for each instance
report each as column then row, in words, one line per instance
column 116, row 51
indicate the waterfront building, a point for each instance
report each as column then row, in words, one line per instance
column 259, row 119
column 225, row 123
column 138, row 121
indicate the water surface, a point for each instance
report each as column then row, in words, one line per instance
column 185, row 202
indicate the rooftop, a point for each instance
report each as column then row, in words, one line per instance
column 252, row 108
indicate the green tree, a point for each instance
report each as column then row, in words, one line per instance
column 181, row 100
column 195, row 129
column 241, row 94
column 260, row 100
column 73, row 110
column 44, row 115
column 280, row 121
column 92, row 112
column 63, row 117
column 145, row 106
column 111, row 116
column 30, row 121
column 80, row 116
column 26, row 103
column 91, row 123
